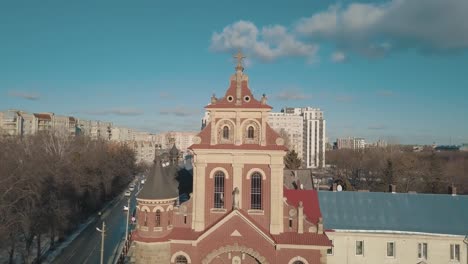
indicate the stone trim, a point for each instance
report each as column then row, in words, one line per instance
column 213, row 171
column 181, row 253
column 234, row 248
column 298, row 258
column 251, row 171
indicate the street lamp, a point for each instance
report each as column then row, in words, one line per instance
column 102, row 231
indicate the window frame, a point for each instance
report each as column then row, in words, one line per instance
column 356, row 248
column 393, row 249
column 157, row 218
column 250, row 132
column 256, row 191
column 219, row 178
column 225, row 132
column 181, row 259
column 453, row 252
column 423, row 250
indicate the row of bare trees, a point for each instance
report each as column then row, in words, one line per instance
column 375, row 169
column 49, row 183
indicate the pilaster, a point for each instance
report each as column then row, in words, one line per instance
column 198, row 208
column 276, row 198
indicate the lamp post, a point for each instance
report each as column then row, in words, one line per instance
column 102, row 231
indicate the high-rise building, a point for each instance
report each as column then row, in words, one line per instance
column 305, row 128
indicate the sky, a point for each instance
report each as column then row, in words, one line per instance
column 395, row 70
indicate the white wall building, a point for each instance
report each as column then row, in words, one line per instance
column 371, row 227
column 310, row 140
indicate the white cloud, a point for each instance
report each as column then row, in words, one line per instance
column 116, row 111
column 338, row 56
column 291, row 94
column 179, row 111
column 25, row 95
column 269, row 43
column 375, row 29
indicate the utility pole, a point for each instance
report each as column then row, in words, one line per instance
column 103, row 231
column 126, row 220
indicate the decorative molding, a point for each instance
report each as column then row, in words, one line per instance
column 234, row 248
column 158, row 207
column 213, row 171
column 298, row 258
column 251, row 171
column 181, row 253
column 236, row 233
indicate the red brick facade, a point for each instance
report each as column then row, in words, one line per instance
column 287, row 227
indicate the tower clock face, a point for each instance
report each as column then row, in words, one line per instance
column 292, row 212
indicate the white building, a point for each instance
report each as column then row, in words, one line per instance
column 10, row 122
column 306, row 129
column 369, row 227
column 351, row 143
column 292, row 126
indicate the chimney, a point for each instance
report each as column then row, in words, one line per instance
column 300, row 218
column 392, row 188
column 452, row 190
column 334, row 187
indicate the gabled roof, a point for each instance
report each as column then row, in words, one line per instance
column 43, row 116
column 403, row 212
column 309, row 199
column 231, row 91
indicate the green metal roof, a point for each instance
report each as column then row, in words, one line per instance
column 426, row 213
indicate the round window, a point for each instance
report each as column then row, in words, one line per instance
column 230, row 98
column 247, row 98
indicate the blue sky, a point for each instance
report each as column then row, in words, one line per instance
column 395, row 70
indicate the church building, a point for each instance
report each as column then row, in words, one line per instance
column 239, row 211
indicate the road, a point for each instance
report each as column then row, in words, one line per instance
column 86, row 247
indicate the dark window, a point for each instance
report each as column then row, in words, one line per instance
column 181, row 260
column 226, row 132
column 158, row 218
column 250, row 132
column 169, row 217
column 298, row 262
column 219, row 189
column 146, row 218
column 256, row 191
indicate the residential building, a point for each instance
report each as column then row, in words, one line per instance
column 237, row 209
column 44, row 121
column 306, row 131
column 369, row 227
column 29, row 124
column 11, row 122
column 291, row 127
column 351, row 143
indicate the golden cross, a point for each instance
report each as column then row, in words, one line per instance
column 239, row 56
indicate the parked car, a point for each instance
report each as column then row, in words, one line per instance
column 125, row 208
column 128, row 193
column 131, row 188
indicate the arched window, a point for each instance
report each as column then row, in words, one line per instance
column 250, row 132
column 226, row 132
column 181, row 260
column 219, row 189
column 158, row 218
column 145, row 223
column 256, row 191
column 298, row 262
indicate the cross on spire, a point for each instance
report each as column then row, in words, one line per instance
column 239, row 56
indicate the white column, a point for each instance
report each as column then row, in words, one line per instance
column 198, row 208
column 276, row 199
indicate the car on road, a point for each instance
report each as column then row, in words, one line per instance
column 125, row 208
column 128, row 193
column 131, row 188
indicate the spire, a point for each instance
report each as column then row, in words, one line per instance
column 239, row 72
column 174, row 155
column 239, row 56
